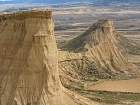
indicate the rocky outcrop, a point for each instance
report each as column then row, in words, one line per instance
column 25, row 40
column 97, row 54
column 29, row 64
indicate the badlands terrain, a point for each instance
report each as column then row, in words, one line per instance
column 89, row 56
column 71, row 22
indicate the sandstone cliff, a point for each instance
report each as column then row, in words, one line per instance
column 29, row 64
column 96, row 54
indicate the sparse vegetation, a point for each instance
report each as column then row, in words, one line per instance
column 109, row 97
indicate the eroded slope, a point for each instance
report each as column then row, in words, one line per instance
column 29, row 64
column 97, row 54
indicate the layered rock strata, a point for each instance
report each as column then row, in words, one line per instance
column 97, row 54
column 29, row 64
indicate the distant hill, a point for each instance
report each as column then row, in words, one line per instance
column 100, row 53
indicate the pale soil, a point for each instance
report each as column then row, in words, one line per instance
column 132, row 85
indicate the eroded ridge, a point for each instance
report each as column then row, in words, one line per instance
column 96, row 54
column 29, row 72
column 22, row 56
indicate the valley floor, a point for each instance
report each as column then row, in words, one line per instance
column 132, row 85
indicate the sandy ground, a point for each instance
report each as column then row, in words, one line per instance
column 132, row 85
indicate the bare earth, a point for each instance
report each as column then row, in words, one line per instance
column 132, row 85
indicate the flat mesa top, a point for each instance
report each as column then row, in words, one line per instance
column 27, row 14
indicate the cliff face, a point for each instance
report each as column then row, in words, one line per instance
column 99, row 53
column 29, row 63
column 28, row 58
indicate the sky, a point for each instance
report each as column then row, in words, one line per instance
column 5, row 0
column 42, row 1
column 70, row 1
